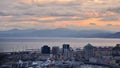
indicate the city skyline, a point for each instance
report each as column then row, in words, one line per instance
column 70, row 14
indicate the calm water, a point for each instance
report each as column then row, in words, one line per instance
column 18, row 44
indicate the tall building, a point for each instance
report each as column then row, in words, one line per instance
column 116, row 50
column 89, row 51
column 66, row 48
column 67, row 51
column 55, row 50
column 116, row 54
column 45, row 49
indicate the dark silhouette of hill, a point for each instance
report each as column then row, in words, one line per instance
column 59, row 32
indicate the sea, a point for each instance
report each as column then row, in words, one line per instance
column 10, row 44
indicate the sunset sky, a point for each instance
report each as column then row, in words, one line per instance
column 51, row 14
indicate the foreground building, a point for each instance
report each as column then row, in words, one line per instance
column 67, row 51
column 45, row 49
column 89, row 51
column 116, row 50
column 103, row 51
column 116, row 54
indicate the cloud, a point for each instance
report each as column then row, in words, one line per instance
column 2, row 14
column 59, row 13
column 46, row 1
column 116, row 9
column 110, row 18
column 92, row 24
column 109, row 25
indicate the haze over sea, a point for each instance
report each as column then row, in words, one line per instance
column 20, row 44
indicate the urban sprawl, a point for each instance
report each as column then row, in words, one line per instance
column 66, row 57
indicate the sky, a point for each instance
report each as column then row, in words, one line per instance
column 52, row 14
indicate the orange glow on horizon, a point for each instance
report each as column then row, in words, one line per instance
column 44, row 18
column 96, row 21
column 47, row 18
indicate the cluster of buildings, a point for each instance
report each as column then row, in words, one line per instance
column 65, row 52
column 90, row 55
column 102, row 55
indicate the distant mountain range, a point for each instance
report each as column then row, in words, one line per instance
column 60, row 32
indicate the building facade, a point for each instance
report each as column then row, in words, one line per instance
column 45, row 49
column 89, row 51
